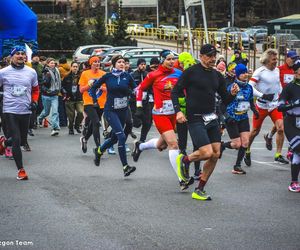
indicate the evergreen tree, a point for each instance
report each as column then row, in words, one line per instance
column 99, row 34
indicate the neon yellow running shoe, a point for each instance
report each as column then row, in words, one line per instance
column 182, row 169
column 200, row 195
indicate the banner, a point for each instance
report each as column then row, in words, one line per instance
column 139, row 3
column 189, row 3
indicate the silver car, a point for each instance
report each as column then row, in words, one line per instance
column 82, row 53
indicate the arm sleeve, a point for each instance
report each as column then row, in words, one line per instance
column 178, row 90
column 253, row 81
column 148, row 81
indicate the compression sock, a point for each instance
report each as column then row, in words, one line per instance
column 240, row 156
column 173, row 153
column 151, row 144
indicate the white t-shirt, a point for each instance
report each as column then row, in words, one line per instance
column 265, row 81
column 17, row 87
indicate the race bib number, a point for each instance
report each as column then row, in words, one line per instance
column 74, row 89
column 168, row 108
column 287, row 78
column 120, row 103
column 209, row 117
column 243, row 107
column 298, row 122
column 19, row 90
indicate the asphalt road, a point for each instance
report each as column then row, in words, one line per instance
column 68, row 203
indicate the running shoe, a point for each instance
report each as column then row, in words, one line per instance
column 30, row 132
column 136, row 151
column 133, row 135
column 98, row 155
column 294, row 187
column 83, row 143
column 22, row 174
column 106, row 134
column 128, row 170
column 111, row 151
column 2, row 146
column 281, row 160
column 268, row 140
column 197, row 174
column 183, row 185
column 46, row 123
column 54, row 132
column 200, row 195
column 78, row 130
column 182, row 168
column 26, row 147
column 247, row 159
column 289, row 155
column 238, row 170
column 71, row 132
column 8, row 153
column 127, row 148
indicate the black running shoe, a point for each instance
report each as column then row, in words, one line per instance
column 247, row 159
column 183, row 186
column 71, row 132
column 128, row 170
column 83, row 143
column 238, row 170
column 30, row 132
column 268, row 140
column 281, row 160
column 97, row 157
column 136, row 151
column 133, row 135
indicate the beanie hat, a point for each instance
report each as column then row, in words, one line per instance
column 115, row 59
column 164, row 54
column 221, row 66
column 93, row 59
column 240, row 69
column 231, row 66
column 16, row 49
column 140, row 61
column 186, row 59
column 154, row 60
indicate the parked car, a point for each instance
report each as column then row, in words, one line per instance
column 259, row 34
column 220, row 36
column 229, row 29
column 144, row 52
column 82, row 53
column 135, row 29
column 116, row 50
column 167, row 31
column 235, row 37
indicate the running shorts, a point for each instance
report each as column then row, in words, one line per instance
column 202, row 134
column 292, row 133
column 164, row 123
column 263, row 113
column 236, row 127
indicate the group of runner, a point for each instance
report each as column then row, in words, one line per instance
column 184, row 97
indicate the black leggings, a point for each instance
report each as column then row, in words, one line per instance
column 147, row 120
column 18, row 128
column 92, row 123
column 182, row 132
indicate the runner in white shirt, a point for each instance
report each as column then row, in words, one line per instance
column 20, row 96
column 267, row 88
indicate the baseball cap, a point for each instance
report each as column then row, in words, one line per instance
column 292, row 54
column 208, row 49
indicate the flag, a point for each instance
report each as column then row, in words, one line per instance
column 189, row 3
column 28, row 52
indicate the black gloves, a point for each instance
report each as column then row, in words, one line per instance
column 33, row 106
column 268, row 97
column 139, row 113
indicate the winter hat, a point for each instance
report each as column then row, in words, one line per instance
column 221, row 67
column 231, row 66
column 115, row 59
column 17, row 48
column 187, row 59
column 154, row 60
column 140, row 61
column 93, row 59
column 164, row 54
column 240, row 69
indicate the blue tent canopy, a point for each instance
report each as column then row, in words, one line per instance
column 18, row 24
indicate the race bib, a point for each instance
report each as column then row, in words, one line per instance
column 74, row 89
column 19, row 90
column 287, row 78
column 243, row 107
column 297, row 122
column 209, row 117
column 272, row 105
column 168, row 108
column 120, row 103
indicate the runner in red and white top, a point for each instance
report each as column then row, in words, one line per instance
column 162, row 82
column 286, row 74
column 266, row 86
